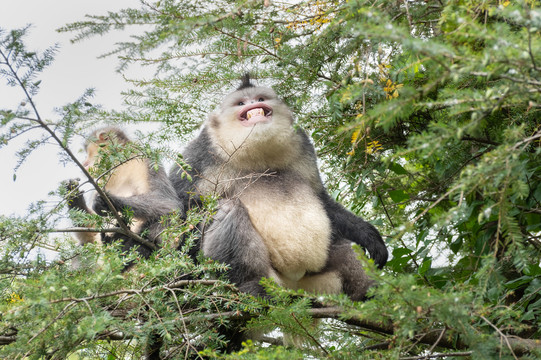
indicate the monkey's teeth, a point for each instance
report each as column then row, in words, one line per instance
column 255, row 112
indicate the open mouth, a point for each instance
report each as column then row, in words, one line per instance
column 254, row 113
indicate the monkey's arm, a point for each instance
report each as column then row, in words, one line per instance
column 76, row 201
column 354, row 228
column 160, row 200
column 201, row 157
column 150, row 206
column 74, row 197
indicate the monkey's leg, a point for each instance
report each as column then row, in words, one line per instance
column 343, row 260
column 147, row 211
column 233, row 240
column 343, row 273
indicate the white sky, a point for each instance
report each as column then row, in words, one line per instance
column 75, row 69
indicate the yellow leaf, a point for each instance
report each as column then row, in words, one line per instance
column 373, row 146
column 355, row 135
column 14, row 298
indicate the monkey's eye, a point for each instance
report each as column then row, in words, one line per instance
column 261, row 99
column 240, row 103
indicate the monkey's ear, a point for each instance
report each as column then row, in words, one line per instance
column 102, row 136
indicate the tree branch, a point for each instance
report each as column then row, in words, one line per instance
column 518, row 346
column 433, row 356
column 172, row 285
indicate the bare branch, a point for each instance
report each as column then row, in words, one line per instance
column 504, row 337
column 433, row 356
column 517, row 345
column 176, row 284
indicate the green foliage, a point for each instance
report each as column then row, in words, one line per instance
column 426, row 119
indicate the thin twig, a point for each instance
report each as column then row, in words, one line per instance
column 246, row 41
column 436, row 343
column 433, row 356
column 176, row 284
column 501, row 334
column 84, row 230
column 60, row 314
column 309, row 335
column 530, row 50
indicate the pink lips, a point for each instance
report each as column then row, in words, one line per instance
column 252, row 114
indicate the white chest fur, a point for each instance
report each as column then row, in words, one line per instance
column 293, row 225
column 129, row 179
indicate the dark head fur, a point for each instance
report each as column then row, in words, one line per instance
column 246, row 83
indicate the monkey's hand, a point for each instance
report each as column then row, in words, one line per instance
column 74, row 196
column 100, row 205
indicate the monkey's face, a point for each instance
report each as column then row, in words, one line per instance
column 91, row 155
column 255, row 125
column 254, row 106
column 100, row 140
column 254, row 110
